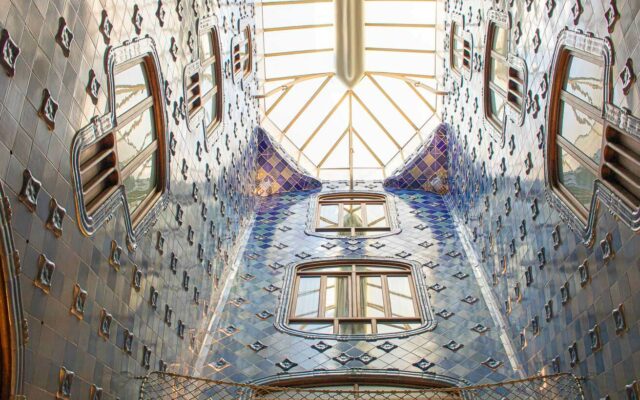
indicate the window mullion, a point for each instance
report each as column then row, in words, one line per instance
column 385, row 296
column 323, row 297
column 365, row 221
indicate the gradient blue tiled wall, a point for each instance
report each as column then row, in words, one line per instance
column 481, row 206
column 278, row 240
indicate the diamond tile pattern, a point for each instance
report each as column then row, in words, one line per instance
column 276, row 172
column 427, row 169
column 414, row 208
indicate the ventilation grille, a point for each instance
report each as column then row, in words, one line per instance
column 98, row 172
column 515, row 92
column 621, row 168
column 466, row 55
column 194, row 100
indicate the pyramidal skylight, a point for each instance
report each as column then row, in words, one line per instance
column 336, row 126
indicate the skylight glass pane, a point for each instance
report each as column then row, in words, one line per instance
column 297, row 14
column 304, row 64
column 407, row 12
column 299, row 39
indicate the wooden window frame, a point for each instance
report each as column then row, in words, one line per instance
column 356, row 198
column 618, row 127
column 97, row 141
column 217, row 87
column 491, row 54
column 353, row 278
column 559, row 95
column 241, row 61
column 466, row 54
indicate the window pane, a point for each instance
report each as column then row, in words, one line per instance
column 207, row 46
column 371, row 297
column 141, row 183
column 352, row 217
column 211, row 111
column 308, row 301
column 375, row 268
column 496, row 105
column 376, row 216
column 575, row 177
column 337, row 297
column 315, row 327
column 392, row 327
column 131, row 88
column 208, row 79
column 456, row 60
column 500, row 40
column 583, row 132
column 329, row 269
column 355, row 328
column 499, row 73
column 584, row 79
column 400, row 296
column 134, row 137
column 328, row 216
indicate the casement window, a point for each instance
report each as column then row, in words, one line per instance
column 505, row 76
column 497, row 75
column 460, row 50
column 354, row 298
column 242, row 53
column 352, row 214
column 130, row 154
column 584, row 147
column 121, row 155
column 211, row 79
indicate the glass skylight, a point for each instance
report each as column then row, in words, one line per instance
column 337, row 132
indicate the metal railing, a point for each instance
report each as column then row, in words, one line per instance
column 160, row 385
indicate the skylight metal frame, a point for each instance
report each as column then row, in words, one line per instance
column 276, row 91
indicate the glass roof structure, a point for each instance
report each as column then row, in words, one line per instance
column 334, row 131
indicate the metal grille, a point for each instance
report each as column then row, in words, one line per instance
column 159, row 385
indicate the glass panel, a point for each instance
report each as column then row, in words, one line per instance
column 211, row 110
column 583, row 132
column 355, row 328
column 392, row 327
column 308, row 301
column 376, row 216
column 337, row 297
column 584, row 79
column 352, row 216
column 456, row 60
column 141, row 183
column 208, row 80
column 371, row 297
column 499, row 73
column 329, row 216
column 131, row 88
column 500, row 40
column 576, row 178
column 315, row 327
column 400, row 296
column 496, row 105
column 207, row 46
column 134, row 137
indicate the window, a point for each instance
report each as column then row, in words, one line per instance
column 355, row 297
column 121, row 155
column 460, row 50
column 505, row 77
column 352, row 214
column 211, row 87
column 129, row 154
column 497, row 75
column 242, row 53
column 585, row 147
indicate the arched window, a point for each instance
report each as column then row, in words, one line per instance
column 121, row 155
column 460, row 49
column 242, row 50
column 505, row 76
column 587, row 145
column 497, row 74
column 211, row 86
column 352, row 214
column 355, row 298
